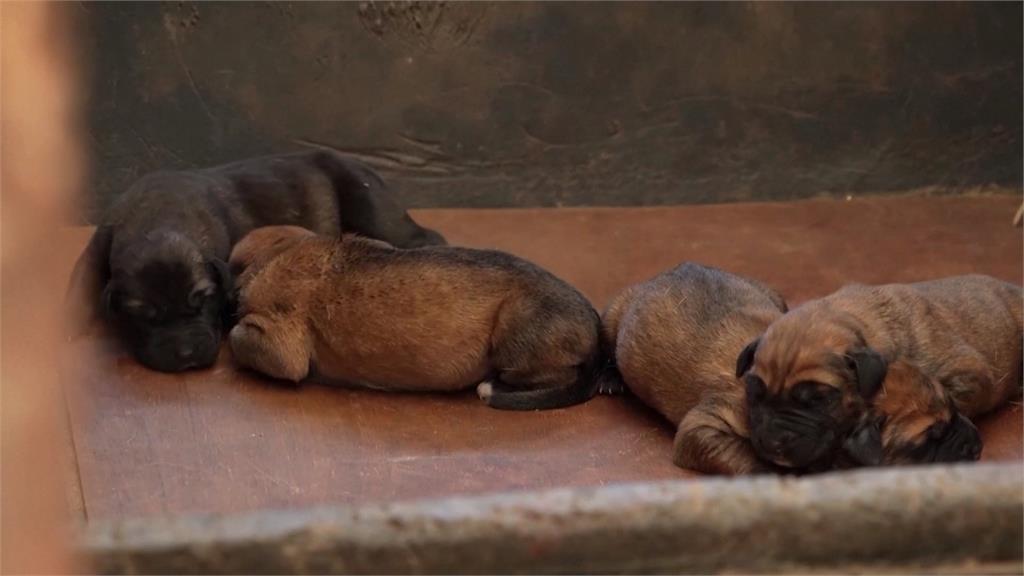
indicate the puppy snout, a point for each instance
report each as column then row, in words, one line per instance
column 783, row 439
column 778, row 442
column 186, row 352
column 970, row 448
column 962, row 442
column 195, row 348
column 772, row 445
column 971, row 451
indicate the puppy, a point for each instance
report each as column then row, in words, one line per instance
column 815, row 371
column 155, row 266
column 360, row 312
column 912, row 419
column 674, row 340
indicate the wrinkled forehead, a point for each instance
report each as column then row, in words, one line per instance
column 785, row 358
column 165, row 282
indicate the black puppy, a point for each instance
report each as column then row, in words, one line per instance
column 155, row 268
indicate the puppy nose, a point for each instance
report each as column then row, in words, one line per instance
column 185, row 351
column 971, row 451
column 783, row 439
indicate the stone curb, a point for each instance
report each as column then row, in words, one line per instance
column 906, row 519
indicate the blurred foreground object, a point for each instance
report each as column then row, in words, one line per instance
column 41, row 171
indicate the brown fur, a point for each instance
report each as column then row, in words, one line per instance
column 911, row 403
column 429, row 319
column 263, row 244
column 964, row 333
column 910, row 420
column 675, row 340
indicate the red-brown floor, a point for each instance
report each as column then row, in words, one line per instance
column 220, row 440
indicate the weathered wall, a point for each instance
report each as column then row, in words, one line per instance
column 475, row 104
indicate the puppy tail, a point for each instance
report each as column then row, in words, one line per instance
column 598, row 378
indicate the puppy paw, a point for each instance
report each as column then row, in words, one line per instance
column 611, row 387
column 609, row 381
column 485, row 390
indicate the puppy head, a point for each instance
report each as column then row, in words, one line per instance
column 912, row 420
column 168, row 302
column 807, row 381
column 262, row 244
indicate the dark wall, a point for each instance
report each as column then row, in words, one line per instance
column 474, row 104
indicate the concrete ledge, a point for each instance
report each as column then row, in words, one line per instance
column 958, row 518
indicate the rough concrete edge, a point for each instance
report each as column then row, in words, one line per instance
column 900, row 520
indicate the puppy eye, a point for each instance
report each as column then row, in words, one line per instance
column 815, row 394
column 938, row 430
column 196, row 299
column 139, row 309
column 756, row 388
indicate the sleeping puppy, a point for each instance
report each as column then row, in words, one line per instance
column 360, row 312
column 155, row 266
column 675, row 339
column 912, row 419
column 812, row 375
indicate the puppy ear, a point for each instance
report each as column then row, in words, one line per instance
column 109, row 300
column 864, row 444
column 870, row 368
column 220, row 272
column 222, row 276
column 746, row 358
column 86, row 296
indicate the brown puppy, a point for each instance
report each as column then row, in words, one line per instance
column 912, row 419
column 675, row 339
column 437, row 318
column 812, row 375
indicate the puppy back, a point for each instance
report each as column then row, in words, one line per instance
column 988, row 314
column 678, row 334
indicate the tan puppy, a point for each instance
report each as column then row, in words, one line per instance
column 675, row 339
column 439, row 319
column 811, row 376
column 912, row 419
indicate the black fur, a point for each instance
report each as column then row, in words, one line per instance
column 746, row 358
column 864, row 444
column 228, row 294
column 601, row 379
column 958, row 441
column 870, row 368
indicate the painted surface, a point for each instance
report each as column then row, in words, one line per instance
column 225, row 440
